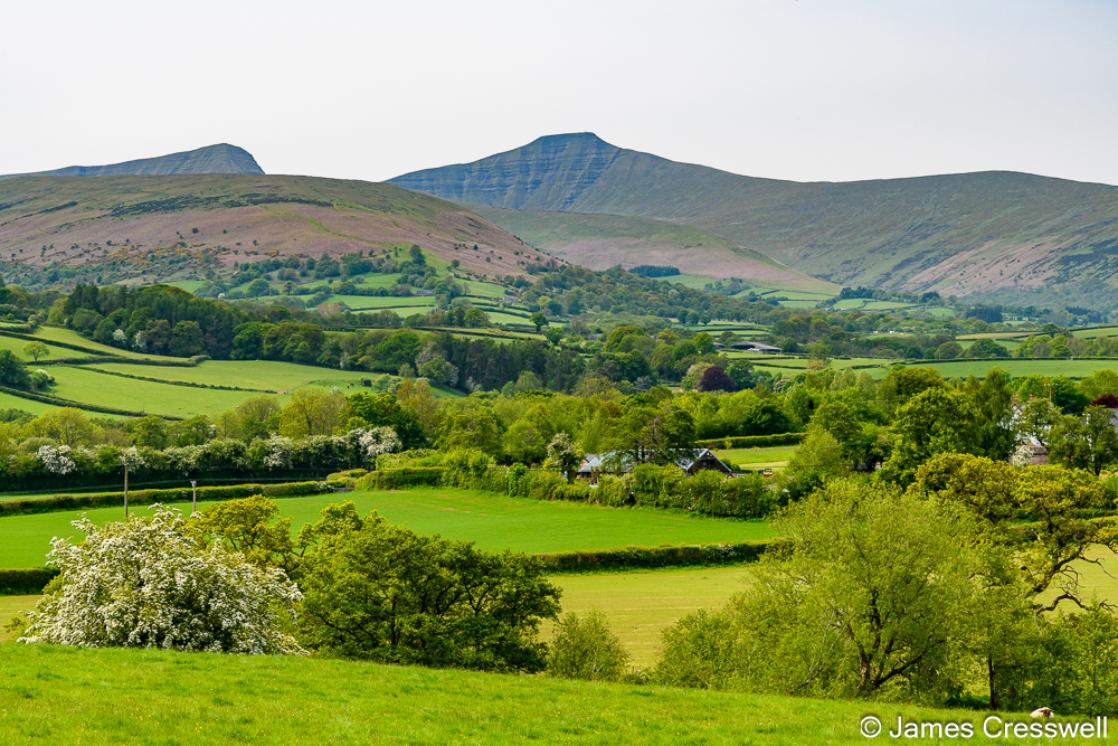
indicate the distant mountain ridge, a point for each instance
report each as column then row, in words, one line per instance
column 152, row 228
column 222, row 158
column 1001, row 234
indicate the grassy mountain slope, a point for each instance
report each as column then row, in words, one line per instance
column 603, row 241
column 212, row 159
column 148, row 228
column 963, row 234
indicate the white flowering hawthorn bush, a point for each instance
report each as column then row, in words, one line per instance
column 149, row 583
column 375, row 441
column 56, row 459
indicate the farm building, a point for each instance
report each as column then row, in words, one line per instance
column 751, row 346
column 691, row 462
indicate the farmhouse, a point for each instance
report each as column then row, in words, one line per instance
column 691, row 461
column 751, row 346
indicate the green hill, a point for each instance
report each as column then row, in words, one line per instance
column 151, row 228
column 212, row 159
column 986, row 233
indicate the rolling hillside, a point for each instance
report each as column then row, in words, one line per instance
column 603, row 241
column 144, row 228
column 991, row 233
column 212, row 159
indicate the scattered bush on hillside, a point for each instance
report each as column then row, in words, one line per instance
column 585, row 648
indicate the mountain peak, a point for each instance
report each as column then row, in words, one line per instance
column 221, row 158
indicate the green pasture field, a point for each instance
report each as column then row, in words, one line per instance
column 1008, row 343
column 1094, row 333
column 993, row 335
column 505, row 317
column 492, row 521
column 15, row 345
column 1018, row 368
column 377, row 302
column 80, row 385
column 782, row 294
column 1098, row 578
column 869, row 304
column 189, row 286
column 271, row 375
column 766, row 457
column 640, row 605
column 10, row 401
column 799, row 302
column 58, row 334
column 483, row 289
column 96, row 697
column 11, row 607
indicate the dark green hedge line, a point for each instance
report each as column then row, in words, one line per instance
column 752, row 441
column 25, row 581
column 147, row 497
column 648, row 557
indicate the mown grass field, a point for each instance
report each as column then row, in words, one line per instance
column 640, row 605
column 492, row 521
column 16, row 346
column 1018, row 368
column 97, row 697
column 50, row 334
column 768, row 457
column 146, row 397
column 271, row 375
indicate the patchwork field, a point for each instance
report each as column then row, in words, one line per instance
column 491, row 521
column 146, row 696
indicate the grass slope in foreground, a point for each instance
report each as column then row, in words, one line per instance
column 73, row 695
column 494, row 522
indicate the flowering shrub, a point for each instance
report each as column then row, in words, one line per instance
column 56, row 459
column 148, row 583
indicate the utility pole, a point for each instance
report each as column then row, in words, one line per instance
column 125, row 460
column 193, row 496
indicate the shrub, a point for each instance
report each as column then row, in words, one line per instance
column 148, row 583
column 585, row 648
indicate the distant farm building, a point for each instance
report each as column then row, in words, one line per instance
column 751, row 346
column 691, row 462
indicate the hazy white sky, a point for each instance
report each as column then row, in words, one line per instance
column 800, row 89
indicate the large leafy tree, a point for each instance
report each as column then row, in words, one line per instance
column 872, row 593
column 937, row 420
column 381, row 592
column 1087, row 442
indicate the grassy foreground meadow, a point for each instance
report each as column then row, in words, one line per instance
column 109, row 696
column 492, row 521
